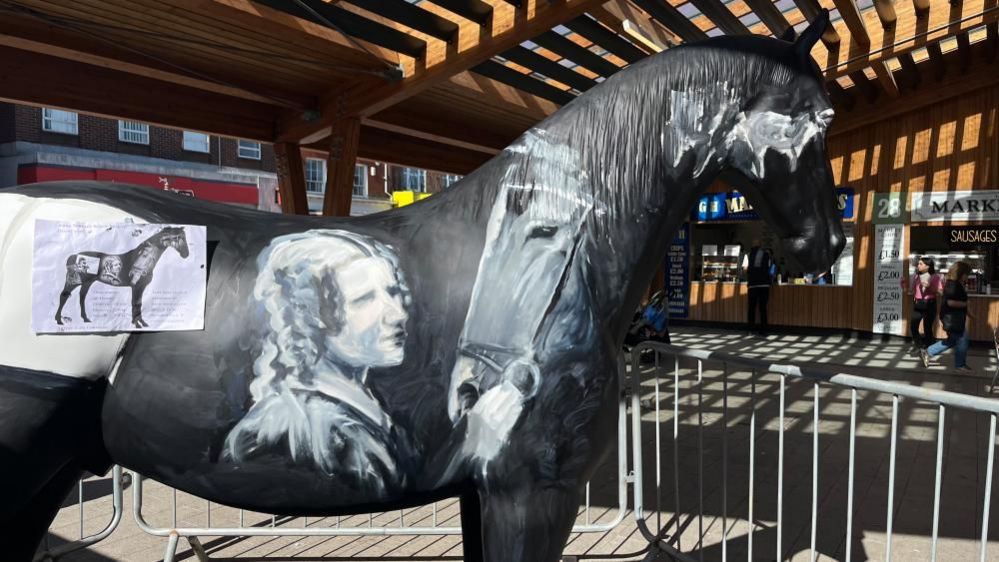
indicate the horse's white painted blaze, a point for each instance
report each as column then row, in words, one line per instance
column 79, row 356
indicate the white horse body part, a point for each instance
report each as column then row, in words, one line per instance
column 72, row 355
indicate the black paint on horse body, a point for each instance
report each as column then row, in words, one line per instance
column 132, row 269
column 635, row 152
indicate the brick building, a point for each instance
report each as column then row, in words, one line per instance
column 42, row 144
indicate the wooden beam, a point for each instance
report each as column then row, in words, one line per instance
column 886, row 12
column 549, row 68
column 579, row 55
column 639, row 36
column 886, row 78
column 864, row 86
column 388, row 146
column 475, row 46
column 291, row 178
column 842, row 99
column 43, row 80
column 810, row 9
column 911, row 70
column 721, row 17
column 322, row 39
column 921, row 7
column 910, row 33
column 343, row 144
column 102, row 55
column 608, row 40
column 982, row 74
column 671, row 19
column 623, row 11
column 936, row 61
column 964, row 50
column 855, row 23
column 770, row 15
column 505, row 74
column 992, row 40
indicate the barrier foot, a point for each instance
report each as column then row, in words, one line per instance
column 198, row 548
column 171, row 548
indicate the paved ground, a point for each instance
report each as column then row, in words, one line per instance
column 726, row 420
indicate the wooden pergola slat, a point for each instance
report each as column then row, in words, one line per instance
column 864, row 86
column 509, row 76
column 909, row 66
column 412, row 16
column 810, row 9
column 770, row 16
column 474, row 10
column 721, row 16
column 607, row 39
column 551, row 69
column 671, row 19
column 855, row 23
column 579, row 55
column 351, row 24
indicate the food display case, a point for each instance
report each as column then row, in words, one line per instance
column 720, row 265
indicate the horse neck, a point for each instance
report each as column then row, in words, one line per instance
column 153, row 243
column 637, row 180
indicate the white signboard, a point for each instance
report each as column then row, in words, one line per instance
column 955, row 205
column 842, row 270
column 122, row 277
column 888, row 294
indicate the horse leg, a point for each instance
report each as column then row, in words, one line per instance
column 530, row 524
column 49, row 432
column 83, row 299
column 137, row 291
column 67, row 290
column 20, row 537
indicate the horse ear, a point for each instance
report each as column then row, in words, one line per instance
column 812, row 33
column 789, row 35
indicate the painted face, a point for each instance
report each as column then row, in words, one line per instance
column 374, row 315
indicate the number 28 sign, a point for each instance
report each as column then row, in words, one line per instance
column 889, row 208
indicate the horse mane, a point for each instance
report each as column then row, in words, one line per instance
column 617, row 126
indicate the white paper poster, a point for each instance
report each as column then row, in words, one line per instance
column 888, row 266
column 123, row 277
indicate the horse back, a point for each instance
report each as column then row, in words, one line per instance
column 72, row 355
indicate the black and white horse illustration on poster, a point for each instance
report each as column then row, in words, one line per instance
column 463, row 346
column 133, row 269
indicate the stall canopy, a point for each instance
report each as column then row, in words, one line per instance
column 440, row 84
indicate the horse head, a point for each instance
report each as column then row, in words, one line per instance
column 777, row 154
column 174, row 237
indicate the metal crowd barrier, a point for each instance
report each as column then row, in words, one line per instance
column 86, row 540
column 673, row 530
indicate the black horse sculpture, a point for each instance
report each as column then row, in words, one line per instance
column 462, row 346
column 132, row 269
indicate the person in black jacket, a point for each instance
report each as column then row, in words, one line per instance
column 758, row 265
column 954, row 317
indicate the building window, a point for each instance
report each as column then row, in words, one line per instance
column 360, row 180
column 413, row 179
column 59, row 121
column 315, row 175
column 135, row 133
column 450, row 179
column 249, row 150
column 197, row 142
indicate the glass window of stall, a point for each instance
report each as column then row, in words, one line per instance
column 720, row 250
column 976, row 244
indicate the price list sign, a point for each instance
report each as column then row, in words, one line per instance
column 678, row 273
column 888, row 294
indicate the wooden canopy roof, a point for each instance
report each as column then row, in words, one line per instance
column 441, row 84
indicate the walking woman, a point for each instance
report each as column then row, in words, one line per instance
column 924, row 286
column 954, row 317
